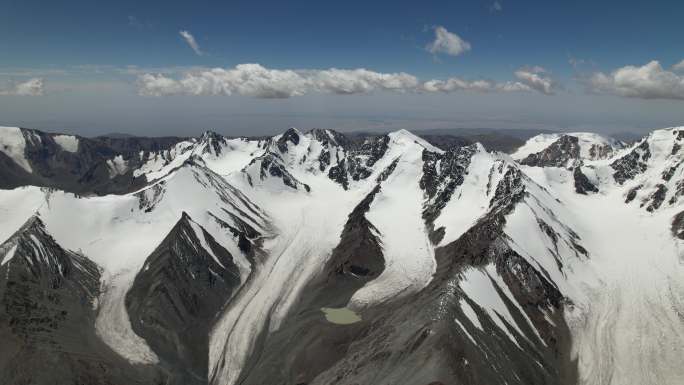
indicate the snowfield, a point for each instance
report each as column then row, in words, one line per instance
column 629, row 301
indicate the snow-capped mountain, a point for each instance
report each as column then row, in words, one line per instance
column 320, row 258
column 566, row 149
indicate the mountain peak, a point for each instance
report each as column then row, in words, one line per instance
column 562, row 149
column 406, row 136
column 328, row 136
column 292, row 135
column 209, row 134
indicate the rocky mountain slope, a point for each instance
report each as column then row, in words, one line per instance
column 321, row 258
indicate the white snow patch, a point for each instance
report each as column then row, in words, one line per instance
column 9, row 255
column 117, row 166
column 470, row 313
column 477, row 285
column 68, row 143
column 234, row 156
column 13, row 144
column 203, row 241
column 17, row 206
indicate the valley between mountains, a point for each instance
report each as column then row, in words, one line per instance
column 323, row 258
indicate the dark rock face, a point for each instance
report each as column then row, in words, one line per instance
column 582, row 183
column 359, row 253
column 442, row 175
column 656, row 199
column 632, row 164
column 331, row 138
column 669, row 173
column 338, row 173
column 560, row 153
column 358, row 160
column 387, row 171
column 85, row 171
column 290, row 136
column 176, row 296
column 679, row 136
column 601, row 151
column 47, row 317
column 509, row 191
column 215, row 142
column 375, row 149
column 149, row 199
column 678, row 192
column 271, row 165
column 678, row 225
column 631, row 194
column 324, row 160
column 135, row 144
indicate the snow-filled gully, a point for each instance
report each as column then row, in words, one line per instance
column 306, row 236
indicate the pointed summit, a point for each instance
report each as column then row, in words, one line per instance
column 292, row 135
column 213, row 143
column 179, row 291
column 330, row 137
column 37, row 251
column 561, row 150
column 405, row 137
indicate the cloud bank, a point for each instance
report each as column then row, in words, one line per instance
column 458, row 84
column 31, row 87
column 447, row 43
column 257, row 81
column 649, row 81
column 187, row 36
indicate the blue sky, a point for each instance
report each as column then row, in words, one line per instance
column 81, row 66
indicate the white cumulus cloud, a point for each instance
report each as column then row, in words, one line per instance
column 679, row 66
column 187, row 36
column 536, row 78
column 31, row 87
column 649, row 81
column 458, row 84
column 257, row 81
column 447, row 43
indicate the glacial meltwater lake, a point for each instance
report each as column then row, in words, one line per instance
column 340, row 316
